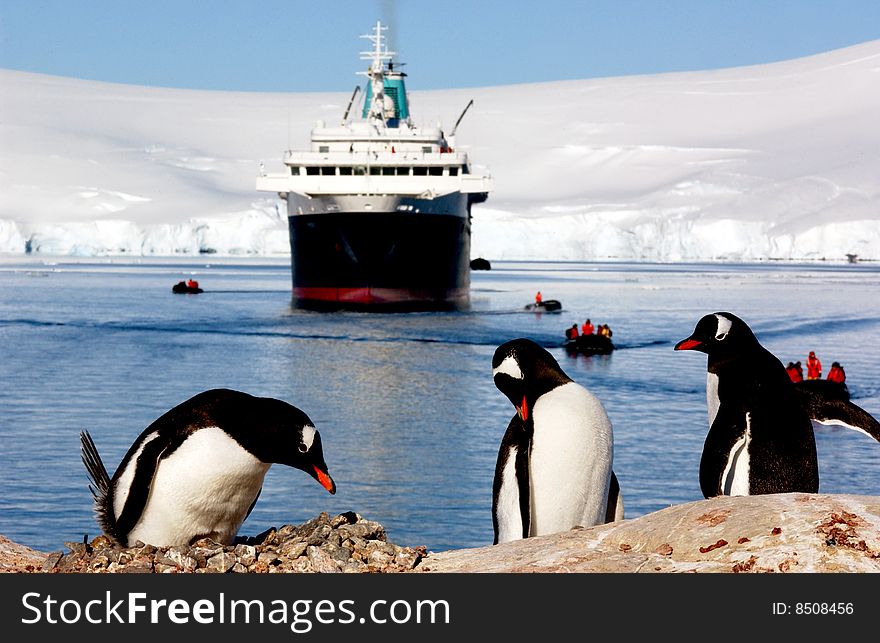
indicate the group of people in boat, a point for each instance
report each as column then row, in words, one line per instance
column 190, row 285
column 587, row 328
column 814, row 370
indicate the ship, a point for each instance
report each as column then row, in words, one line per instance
column 378, row 208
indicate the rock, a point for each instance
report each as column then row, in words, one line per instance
column 221, row 562
column 294, row 550
column 246, row 554
column 319, row 535
column 321, row 561
column 18, row 558
column 347, row 518
column 268, row 558
column 793, row 532
column 406, row 557
column 777, row 533
column 365, row 529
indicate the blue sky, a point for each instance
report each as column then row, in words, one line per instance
column 299, row 45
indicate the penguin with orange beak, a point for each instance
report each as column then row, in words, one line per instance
column 198, row 470
column 554, row 465
column 761, row 424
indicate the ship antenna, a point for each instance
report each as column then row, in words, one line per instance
column 376, row 71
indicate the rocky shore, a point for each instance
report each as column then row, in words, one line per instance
column 344, row 543
column 784, row 533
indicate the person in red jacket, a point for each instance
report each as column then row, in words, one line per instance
column 836, row 373
column 538, row 297
column 587, row 328
column 794, row 372
column 814, row 367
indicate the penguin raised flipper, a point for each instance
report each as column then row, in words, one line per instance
column 570, row 447
column 826, row 405
column 197, row 470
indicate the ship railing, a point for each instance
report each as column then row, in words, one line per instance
column 372, row 184
column 383, row 157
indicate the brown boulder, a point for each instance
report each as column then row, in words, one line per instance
column 794, row 532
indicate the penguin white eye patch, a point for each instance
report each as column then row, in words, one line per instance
column 510, row 367
column 724, row 325
column 308, row 437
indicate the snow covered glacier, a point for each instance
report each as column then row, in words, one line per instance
column 775, row 161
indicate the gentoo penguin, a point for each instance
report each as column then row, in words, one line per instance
column 554, row 465
column 760, row 436
column 197, row 470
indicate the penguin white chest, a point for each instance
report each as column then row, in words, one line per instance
column 712, row 401
column 570, row 463
column 204, row 488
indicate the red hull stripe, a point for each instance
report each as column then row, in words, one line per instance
column 376, row 295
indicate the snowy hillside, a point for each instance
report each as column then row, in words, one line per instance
column 773, row 161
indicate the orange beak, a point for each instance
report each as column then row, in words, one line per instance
column 523, row 410
column 325, row 480
column 687, row 344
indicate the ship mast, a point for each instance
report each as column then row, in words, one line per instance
column 376, row 72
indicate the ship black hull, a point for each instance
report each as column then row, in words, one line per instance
column 380, row 261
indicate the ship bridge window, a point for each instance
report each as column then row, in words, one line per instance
column 311, row 170
column 294, row 170
column 464, row 169
column 374, row 171
column 453, row 171
column 345, row 170
column 420, row 171
column 360, row 170
column 323, row 149
column 403, row 171
column 387, row 171
column 435, row 171
column 328, row 171
column 426, row 149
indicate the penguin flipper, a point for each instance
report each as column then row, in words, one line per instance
column 251, row 508
column 848, row 415
column 729, row 425
column 141, row 483
column 830, row 409
column 614, row 511
column 523, row 479
column 100, row 483
column 510, row 488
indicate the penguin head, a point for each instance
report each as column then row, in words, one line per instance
column 524, row 371
column 286, row 435
column 717, row 335
column 274, row 431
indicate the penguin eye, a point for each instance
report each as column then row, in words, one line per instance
column 721, row 337
column 302, row 448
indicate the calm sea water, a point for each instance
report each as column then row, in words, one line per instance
column 405, row 404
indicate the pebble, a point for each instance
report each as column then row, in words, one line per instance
column 345, row 543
